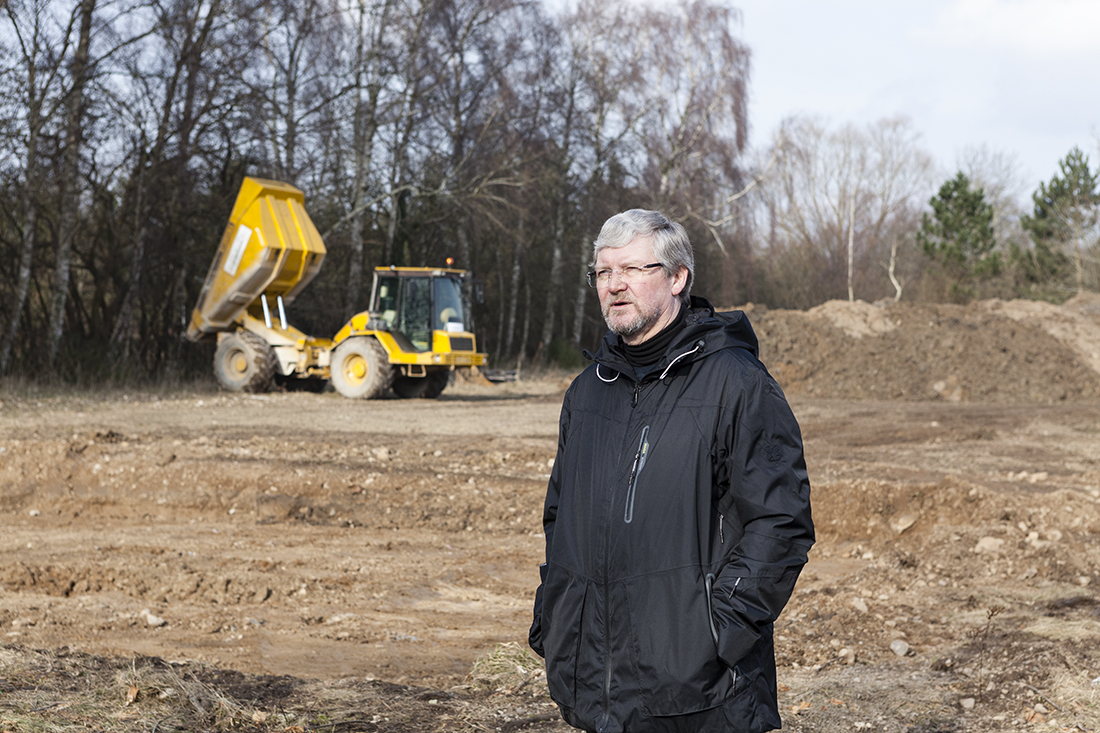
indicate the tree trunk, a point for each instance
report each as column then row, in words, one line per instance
column 499, row 343
column 70, row 186
column 526, row 325
column 354, row 289
column 1078, row 260
column 893, row 267
column 30, row 214
column 582, row 292
column 513, row 295
column 851, row 244
column 178, row 315
column 554, row 286
column 467, row 282
column 120, row 334
column 26, row 251
column 368, row 80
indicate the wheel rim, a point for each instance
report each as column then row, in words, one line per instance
column 355, row 369
column 238, row 364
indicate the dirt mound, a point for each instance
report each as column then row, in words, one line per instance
column 989, row 351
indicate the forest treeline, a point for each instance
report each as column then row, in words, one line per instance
column 501, row 133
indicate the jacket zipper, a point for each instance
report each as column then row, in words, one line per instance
column 606, row 627
column 709, row 583
column 602, row 725
column 635, row 470
column 733, row 670
column 639, row 461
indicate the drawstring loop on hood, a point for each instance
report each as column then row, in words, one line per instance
column 698, row 345
column 607, row 381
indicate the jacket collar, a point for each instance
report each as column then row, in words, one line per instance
column 705, row 332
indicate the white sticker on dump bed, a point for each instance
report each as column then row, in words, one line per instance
column 236, row 251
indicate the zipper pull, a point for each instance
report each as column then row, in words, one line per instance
column 736, row 582
column 637, row 389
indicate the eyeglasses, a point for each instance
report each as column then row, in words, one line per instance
column 626, row 275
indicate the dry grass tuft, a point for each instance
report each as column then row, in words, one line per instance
column 1077, row 700
column 508, row 668
column 48, row 693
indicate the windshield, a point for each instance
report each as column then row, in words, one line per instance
column 415, row 320
column 386, row 305
column 415, row 306
column 447, row 304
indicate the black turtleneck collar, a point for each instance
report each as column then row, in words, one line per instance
column 650, row 351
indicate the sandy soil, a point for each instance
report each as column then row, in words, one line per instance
column 366, row 555
column 283, row 534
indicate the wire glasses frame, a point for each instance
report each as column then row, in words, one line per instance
column 626, row 275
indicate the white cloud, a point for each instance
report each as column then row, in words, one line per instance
column 1016, row 75
column 1031, row 27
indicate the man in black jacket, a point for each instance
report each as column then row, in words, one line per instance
column 677, row 515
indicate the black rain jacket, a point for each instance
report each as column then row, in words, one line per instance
column 677, row 520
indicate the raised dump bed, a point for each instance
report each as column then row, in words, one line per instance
column 270, row 251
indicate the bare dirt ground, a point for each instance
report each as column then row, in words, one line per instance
column 195, row 560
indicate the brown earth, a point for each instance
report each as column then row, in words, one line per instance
column 296, row 561
column 993, row 351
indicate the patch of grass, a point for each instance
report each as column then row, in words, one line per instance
column 508, row 667
column 1077, row 700
column 59, row 692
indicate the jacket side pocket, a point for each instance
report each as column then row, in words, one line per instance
column 534, row 636
column 675, row 655
column 564, row 598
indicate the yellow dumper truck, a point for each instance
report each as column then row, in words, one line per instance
column 410, row 340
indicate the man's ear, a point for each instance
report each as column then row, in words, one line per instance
column 679, row 280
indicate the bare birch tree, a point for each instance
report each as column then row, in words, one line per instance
column 41, row 46
column 297, row 79
column 830, row 186
column 370, row 73
column 606, row 43
column 696, row 123
column 70, row 178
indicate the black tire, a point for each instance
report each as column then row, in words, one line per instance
column 428, row 388
column 244, row 362
column 360, row 368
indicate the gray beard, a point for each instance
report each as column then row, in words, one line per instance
column 639, row 323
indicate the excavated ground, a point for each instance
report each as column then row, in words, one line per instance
column 194, row 559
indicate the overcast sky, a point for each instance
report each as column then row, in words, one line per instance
column 1021, row 76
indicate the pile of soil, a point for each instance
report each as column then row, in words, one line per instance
column 988, row 351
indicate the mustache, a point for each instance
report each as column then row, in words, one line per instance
column 624, row 299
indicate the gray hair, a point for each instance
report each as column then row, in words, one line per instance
column 670, row 242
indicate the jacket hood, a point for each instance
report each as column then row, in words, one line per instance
column 705, row 332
